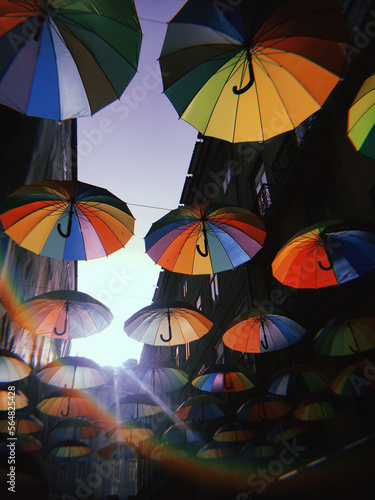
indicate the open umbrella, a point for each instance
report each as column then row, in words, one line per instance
column 361, row 119
column 117, row 451
column 239, row 72
column 297, row 380
column 67, row 220
column 74, row 428
column 254, row 331
column 235, row 432
column 262, row 408
column 283, row 431
column 61, row 60
column 201, row 408
column 12, row 400
column 355, row 381
column 24, row 443
column 168, row 452
column 168, row 323
column 325, row 254
column 185, row 433
column 21, row 424
column 346, row 335
column 320, row 407
column 67, row 403
column 217, row 449
column 205, row 238
column 12, row 367
column 223, row 377
column 70, row 449
column 130, row 432
column 136, row 406
column 158, row 377
column 62, row 314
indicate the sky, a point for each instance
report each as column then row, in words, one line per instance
column 140, row 151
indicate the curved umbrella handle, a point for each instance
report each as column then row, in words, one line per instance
column 169, row 329
column 65, row 322
column 356, row 349
column 67, row 410
column 244, row 89
column 228, row 387
column 69, row 227
column 330, row 264
column 265, row 343
column 205, row 252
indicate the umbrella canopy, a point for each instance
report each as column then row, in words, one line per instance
column 325, row 254
column 14, row 400
column 22, row 424
column 361, row 119
column 284, row 431
column 200, row 408
column 224, row 378
column 74, row 428
column 67, row 220
column 185, row 433
column 355, row 381
column 73, row 372
column 12, row 367
column 129, row 431
column 240, row 73
column 263, row 407
column 103, row 419
column 69, row 449
column 170, row 452
column 24, row 443
column 254, row 331
column 205, row 238
column 168, row 323
column 260, row 450
column 216, row 449
column 346, row 335
column 236, row 432
column 66, row 59
column 67, row 403
column 136, row 406
column 62, row 314
column 320, row 408
column 117, row 451
column 159, row 377
column 297, row 380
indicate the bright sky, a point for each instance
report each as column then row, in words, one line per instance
column 138, row 149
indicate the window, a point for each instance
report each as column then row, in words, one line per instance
column 198, row 303
column 219, row 347
column 227, row 178
column 116, row 470
column 262, row 190
column 81, row 469
column 214, row 285
column 63, row 472
column 132, row 469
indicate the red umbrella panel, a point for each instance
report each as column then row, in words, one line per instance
column 262, row 408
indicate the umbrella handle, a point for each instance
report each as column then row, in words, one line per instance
column 69, row 226
column 330, row 264
column 205, row 252
column 67, row 410
column 238, row 91
column 65, row 323
column 169, row 329
column 356, row 349
column 265, row 343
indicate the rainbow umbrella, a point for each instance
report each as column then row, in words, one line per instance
column 224, row 377
column 103, row 419
column 62, row 314
column 355, row 381
column 74, row 428
column 168, row 323
column 297, row 380
column 325, row 254
column 322, row 407
column 361, row 119
column 70, row 449
column 159, row 377
column 13, row 400
column 12, row 367
column 205, row 238
column 67, row 403
column 262, row 408
column 24, row 443
column 217, row 450
column 167, row 452
column 254, row 331
column 67, row 220
column 346, row 335
column 200, row 408
column 260, row 450
column 136, row 406
column 185, row 433
column 21, row 424
column 129, row 432
column 284, row 431
column 117, row 451
column 73, row 372
column 235, row 432
column 239, row 72
column 61, row 60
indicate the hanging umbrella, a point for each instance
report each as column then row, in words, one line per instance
column 205, row 238
column 254, row 331
column 260, row 450
column 103, row 419
column 67, row 403
column 240, row 73
column 136, row 406
column 70, row 449
column 65, row 314
column 129, row 432
column 235, row 432
column 61, row 60
column 200, row 408
column 167, row 452
column 355, row 381
column 74, row 428
column 297, row 380
column 284, row 431
column 224, row 378
column 320, row 407
column 24, row 443
column 67, row 220
column 12, row 400
column 263, row 407
column 217, row 450
column 21, row 424
column 361, row 119
column 346, row 335
column 117, row 451
column 168, row 323
column 73, row 372
column 185, row 434
column 325, row 254
column 158, row 377
column 12, row 367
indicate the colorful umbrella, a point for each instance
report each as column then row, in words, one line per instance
column 254, row 331
column 320, row 408
column 73, row 372
column 21, row 424
column 205, row 238
column 158, row 377
column 284, row 431
column 170, row 452
column 297, row 380
column 217, row 450
column 325, row 254
column 103, row 419
column 12, row 367
column 70, row 449
column 355, row 381
column 263, row 407
column 67, row 403
column 62, row 314
column 74, row 428
column 129, row 431
column 240, row 73
column 12, row 400
column 224, row 378
column 67, row 220
column 117, row 451
column 185, row 433
column 136, row 406
column 236, row 432
column 168, row 323
column 260, row 450
column 61, row 60
column 24, row 443
column 361, row 119
column 200, row 408
column 346, row 335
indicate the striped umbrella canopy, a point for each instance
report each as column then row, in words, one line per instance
column 205, row 238
column 134, row 406
column 117, row 451
column 73, row 372
column 14, row 399
column 346, row 335
column 297, row 380
column 255, row 331
column 168, row 452
column 224, row 377
column 361, row 119
column 356, row 380
column 67, row 403
column 217, row 449
column 67, row 220
column 185, row 433
column 325, row 254
column 74, row 429
column 260, row 450
column 24, row 443
column 235, row 432
column 62, row 314
column 21, row 424
column 168, row 323
column 263, row 407
column 159, row 377
column 12, row 367
column 66, row 59
column 70, row 449
column 286, row 430
column 320, row 407
column 201, row 408
column 104, row 419
column 129, row 432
